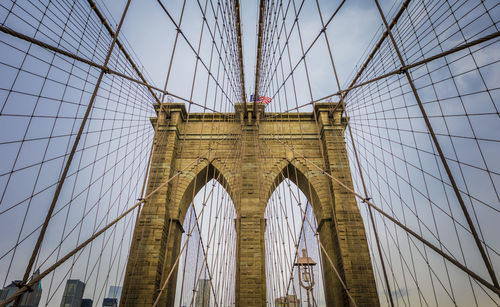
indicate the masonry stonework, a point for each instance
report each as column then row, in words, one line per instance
column 249, row 154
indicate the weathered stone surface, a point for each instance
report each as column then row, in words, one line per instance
column 249, row 159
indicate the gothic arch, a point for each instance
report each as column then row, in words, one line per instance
column 249, row 179
column 319, row 192
column 192, row 181
column 312, row 183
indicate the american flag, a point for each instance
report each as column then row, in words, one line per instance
column 263, row 99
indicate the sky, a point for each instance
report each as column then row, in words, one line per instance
column 43, row 98
column 351, row 35
column 153, row 36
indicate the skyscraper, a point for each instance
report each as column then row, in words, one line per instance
column 203, row 293
column 73, row 293
column 86, row 302
column 115, row 292
column 110, row 302
column 28, row 299
column 7, row 292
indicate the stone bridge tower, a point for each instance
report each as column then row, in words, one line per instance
column 248, row 157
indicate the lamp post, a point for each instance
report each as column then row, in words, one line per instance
column 306, row 273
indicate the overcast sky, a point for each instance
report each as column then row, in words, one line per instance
column 40, row 118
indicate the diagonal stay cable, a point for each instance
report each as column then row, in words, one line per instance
column 402, row 69
column 195, row 225
column 193, row 49
column 70, row 157
column 99, row 66
column 442, row 158
column 342, row 102
column 323, row 30
column 120, row 46
column 24, row 288
column 423, row 240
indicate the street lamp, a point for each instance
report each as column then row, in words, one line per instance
column 306, row 273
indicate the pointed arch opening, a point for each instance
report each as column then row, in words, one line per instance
column 194, row 181
column 291, row 228
column 207, row 255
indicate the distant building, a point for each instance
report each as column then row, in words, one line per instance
column 73, row 293
column 28, row 299
column 110, row 302
column 86, row 302
column 115, row 292
column 288, row 301
column 8, row 291
column 203, row 293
